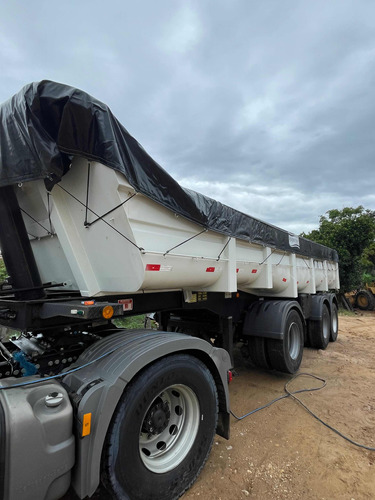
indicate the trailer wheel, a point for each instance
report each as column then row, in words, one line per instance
column 319, row 331
column 334, row 323
column 162, row 431
column 365, row 300
column 286, row 355
column 258, row 352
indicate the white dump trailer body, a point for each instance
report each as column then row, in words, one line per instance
column 141, row 246
column 92, row 229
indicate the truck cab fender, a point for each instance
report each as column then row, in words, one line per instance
column 110, row 365
column 266, row 318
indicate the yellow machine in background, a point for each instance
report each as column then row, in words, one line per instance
column 364, row 298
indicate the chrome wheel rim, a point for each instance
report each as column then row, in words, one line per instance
column 326, row 326
column 169, row 428
column 294, row 340
column 335, row 321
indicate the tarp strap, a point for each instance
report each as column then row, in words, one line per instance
column 101, row 218
column 268, row 256
column 308, row 267
column 281, row 259
column 88, row 224
column 39, row 224
column 224, row 247
column 185, row 241
column 49, row 211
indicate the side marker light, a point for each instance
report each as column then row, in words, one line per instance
column 86, row 425
column 107, row 312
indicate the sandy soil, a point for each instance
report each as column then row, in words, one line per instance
column 284, row 453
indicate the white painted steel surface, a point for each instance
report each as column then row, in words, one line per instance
column 98, row 260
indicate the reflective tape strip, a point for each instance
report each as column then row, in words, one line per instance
column 152, row 267
column 127, row 304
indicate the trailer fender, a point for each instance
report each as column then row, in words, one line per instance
column 332, row 300
column 267, row 318
column 317, row 302
column 322, row 325
column 96, row 389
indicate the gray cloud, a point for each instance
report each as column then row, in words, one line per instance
column 267, row 106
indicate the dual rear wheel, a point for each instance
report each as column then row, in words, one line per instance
column 286, row 355
column 321, row 332
column 283, row 355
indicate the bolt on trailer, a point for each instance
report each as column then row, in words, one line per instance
column 92, row 229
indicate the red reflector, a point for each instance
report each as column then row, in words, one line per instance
column 284, row 279
column 254, row 271
column 237, row 270
column 152, row 267
column 127, row 304
column 210, row 270
column 230, row 376
column 307, row 281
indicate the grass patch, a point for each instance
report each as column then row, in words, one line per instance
column 344, row 312
column 8, row 333
column 130, row 322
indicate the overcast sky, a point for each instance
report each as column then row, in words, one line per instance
column 268, row 106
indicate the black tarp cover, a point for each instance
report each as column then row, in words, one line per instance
column 47, row 123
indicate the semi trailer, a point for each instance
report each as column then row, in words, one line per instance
column 92, row 229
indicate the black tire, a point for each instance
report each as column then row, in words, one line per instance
column 286, row 355
column 258, row 352
column 319, row 331
column 334, row 323
column 162, row 431
column 365, row 300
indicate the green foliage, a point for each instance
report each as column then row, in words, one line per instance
column 344, row 312
column 368, row 278
column 368, row 263
column 3, row 271
column 350, row 231
column 130, row 322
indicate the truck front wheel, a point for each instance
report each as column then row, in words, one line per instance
column 162, row 430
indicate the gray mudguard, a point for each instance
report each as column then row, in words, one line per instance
column 267, row 318
column 97, row 388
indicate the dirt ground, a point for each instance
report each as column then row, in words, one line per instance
column 284, row 453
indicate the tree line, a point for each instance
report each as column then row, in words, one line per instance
column 350, row 231
column 3, row 271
